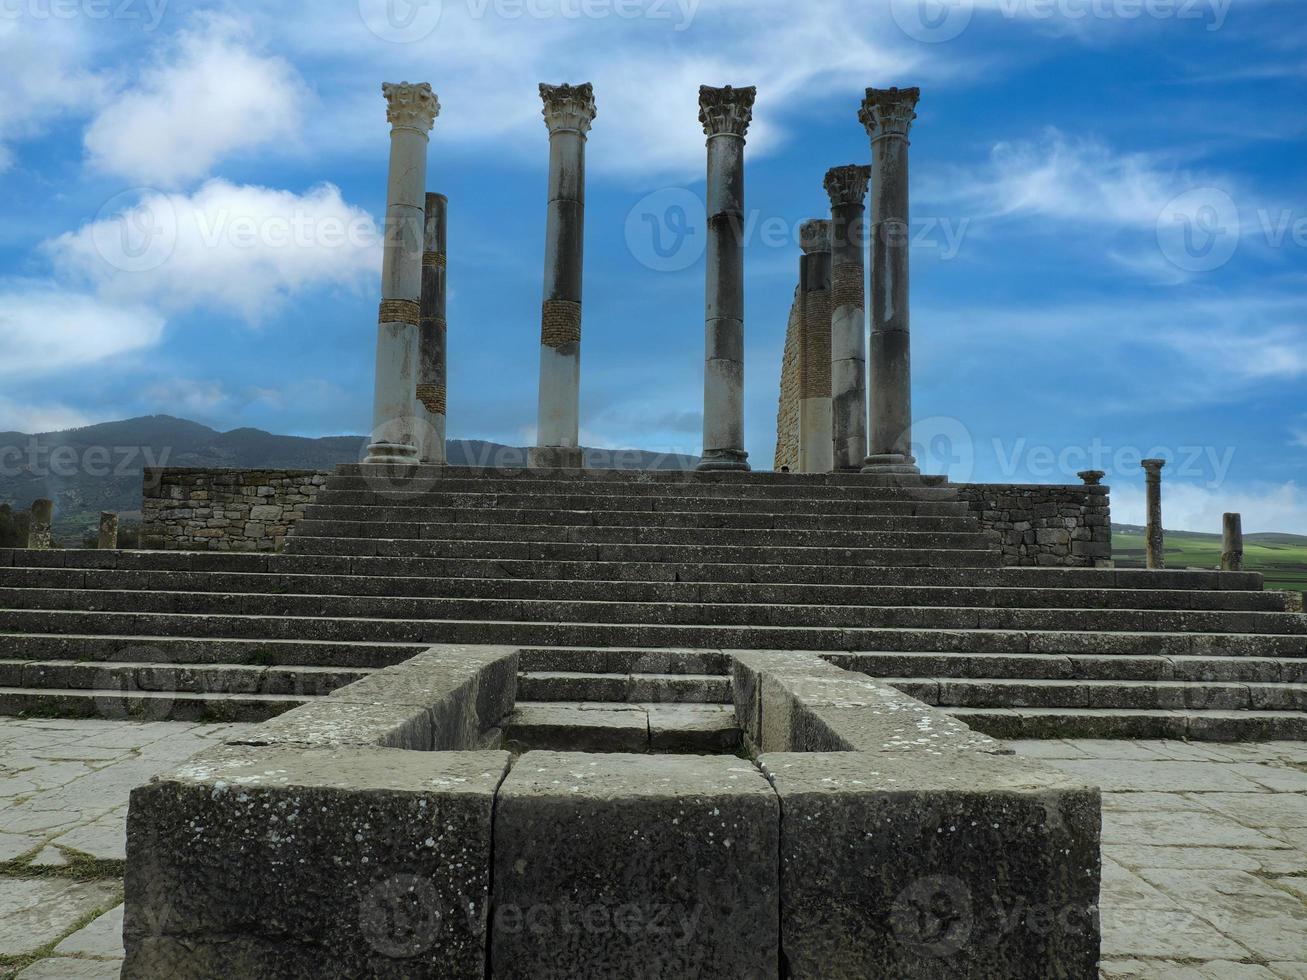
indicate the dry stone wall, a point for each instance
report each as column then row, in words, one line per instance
column 224, row 510
column 1045, row 525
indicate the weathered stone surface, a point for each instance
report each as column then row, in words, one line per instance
column 1045, row 525
column 37, row 911
column 919, row 866
column 224, row 510
column 102, row 939
column 635, row 866
column 287, row 861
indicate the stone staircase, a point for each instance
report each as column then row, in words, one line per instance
column 612, row 572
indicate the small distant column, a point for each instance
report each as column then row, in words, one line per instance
column 725, row 114
column 1153, row 542
column 432, row 332
column 887, row 115
column 412, row 111
column 847, row 187
column 569, row 111
column 40, row 528
column 1232, row 543
column 816, row 448
column 108, row 540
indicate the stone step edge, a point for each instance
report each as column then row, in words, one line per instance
column 53, row 692
column 1058, row 683
column 127, row 665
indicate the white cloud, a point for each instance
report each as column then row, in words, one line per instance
column 1187, row 507
column 241, row 248
column 214, row 97
column 31, row 417
column 182, row 396
column 45, row 330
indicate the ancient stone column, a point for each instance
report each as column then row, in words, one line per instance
column 725, row 114
column 569, row 110
column 847, row 187
column 816, row 448
column 887, row 115
column 431, row 389
column 412, row 111
column 40, row 527
column 1153, row 537
column 1232, row 543
column 108, row 532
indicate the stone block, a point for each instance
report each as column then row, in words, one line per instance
column 635, row 866
column 923, row 867
column 279, row 862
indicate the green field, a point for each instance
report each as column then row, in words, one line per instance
column 1282, row 558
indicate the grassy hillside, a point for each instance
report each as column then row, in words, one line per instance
column 1282, row 558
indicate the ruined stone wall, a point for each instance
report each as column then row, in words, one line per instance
column 223, row 510
column 787, row 415
column 1045, row 525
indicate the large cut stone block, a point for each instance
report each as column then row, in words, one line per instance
column 923, row 866
column 635, row 866
column 291, row 861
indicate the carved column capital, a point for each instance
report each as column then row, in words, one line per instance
column 726, row 111
column 847, row 185
column 568, row 107
column 889, row 111
column 411, row 106
column 814, row 236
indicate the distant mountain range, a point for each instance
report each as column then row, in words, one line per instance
column 99, row 467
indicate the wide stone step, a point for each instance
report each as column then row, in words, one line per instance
column 1008, row 597
column 125, row 676
column 691, row 729
column 1168, row 695
column 144, row 705
column 105, row 648
column 1145, row 723
column 624, row 687
column 733, row 554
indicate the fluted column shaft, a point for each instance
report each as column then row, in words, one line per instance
column 412, row 111
column 569, row 111
column 432, row 391
column 816, row 446
column 887, row 115
column 725, row 114
column 847, row 187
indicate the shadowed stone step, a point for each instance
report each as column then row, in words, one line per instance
column 261, row 651
column 1209, row 726
column 1042, row 693
column 647, row 688
column 692, row 729
column 144, row 705
column 298, row 681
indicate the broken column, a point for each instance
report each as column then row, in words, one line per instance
column 569, row 110
column 1153, row 536
column 40, row 526
column 847, row 187
column 431, row 390
column 412, row 111
column 887, row 115
column 725, row 114
column 1232, row 543
column 816, row 449
column 108, row 539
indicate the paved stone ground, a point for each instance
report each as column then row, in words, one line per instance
column 1205, row 848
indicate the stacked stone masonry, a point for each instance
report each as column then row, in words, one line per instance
column 1046, row 525
column 787, row 414
column 224, row 510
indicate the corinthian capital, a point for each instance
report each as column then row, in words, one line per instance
column 726, row 110
column 889, row 111
column 411, row 106
column 847, row 185
column 814, row 236
column 568, row 107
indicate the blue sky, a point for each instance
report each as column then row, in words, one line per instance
column 1110, row 223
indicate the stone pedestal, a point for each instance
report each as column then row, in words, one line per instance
column 816, row 446
column 887, row 115
column 40, row 526
column 432, row 370
column 1153, row 543
column 1232, row 543
column 412, row 111
column 847, row 187
column 108, row 539
column 725, row 114
column 569, row 111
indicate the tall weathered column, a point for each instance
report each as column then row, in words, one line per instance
column 1153, row 535
column 108, row 538
column 847, row 187
column 816, row 448
column 432, row 330
column 725, row 114
column 412, row 111
column 887, row 114
column 569, row 110
column 40, row 526
column 1232, row 543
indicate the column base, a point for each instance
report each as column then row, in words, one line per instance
column 891, row 464
column 388, row 453
column 724, row 460
column 555, row 458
